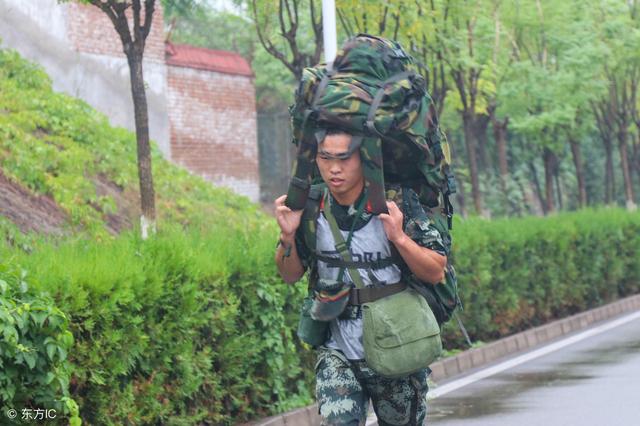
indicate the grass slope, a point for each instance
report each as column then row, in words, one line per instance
column 59, row 147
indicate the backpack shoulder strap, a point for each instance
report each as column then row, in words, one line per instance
column 310, row 216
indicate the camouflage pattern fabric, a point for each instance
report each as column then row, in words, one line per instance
column 416, row 222
column 373, row 89
column 344, row 388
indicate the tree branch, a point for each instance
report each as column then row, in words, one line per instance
column 317, row 32
column 383, row 22
column 345, row 24
column 116, row 13
column 137, row 34
column 397, row 25
column 268, row 46
column 149, row 6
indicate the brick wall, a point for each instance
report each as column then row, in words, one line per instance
column 213, row 127
column 91, row 31
column 211, row 115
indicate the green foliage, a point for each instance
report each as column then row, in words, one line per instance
column 34, row 349
column 194, row 325
column 189, row 326
column 516, row 274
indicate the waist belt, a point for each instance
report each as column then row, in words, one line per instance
column 359, row 296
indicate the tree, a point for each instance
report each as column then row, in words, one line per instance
column 619, row 28
column 468, row 60
column 288, row 40
column 540, row 73
column 132, row 21
column 552, row 82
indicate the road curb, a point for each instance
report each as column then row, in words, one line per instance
column 487, row 354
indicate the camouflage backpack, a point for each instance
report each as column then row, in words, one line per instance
column 374, row 92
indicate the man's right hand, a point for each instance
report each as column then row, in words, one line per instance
column 288, row 220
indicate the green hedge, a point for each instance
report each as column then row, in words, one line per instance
column 187, row 327
column 195, row 324
column 518, row 273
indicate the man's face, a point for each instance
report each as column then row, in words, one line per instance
column 344, row 177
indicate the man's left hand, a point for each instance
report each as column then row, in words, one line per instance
column 393, row 223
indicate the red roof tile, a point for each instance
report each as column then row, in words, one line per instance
column 207, row 59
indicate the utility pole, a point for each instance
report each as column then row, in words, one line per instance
column 329, row 30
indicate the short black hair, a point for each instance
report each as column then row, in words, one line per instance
column 336, row 131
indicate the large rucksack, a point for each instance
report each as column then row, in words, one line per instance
column 373, row 90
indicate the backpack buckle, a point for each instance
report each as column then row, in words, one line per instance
column 341, row 247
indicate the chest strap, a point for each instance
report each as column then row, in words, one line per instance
column 359, row 296
column 333, row 262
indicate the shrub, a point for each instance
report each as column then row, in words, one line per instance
column 190, row 326
column 34, row 367
column 519, row 273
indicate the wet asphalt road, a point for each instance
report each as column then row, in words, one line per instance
column 592, row 382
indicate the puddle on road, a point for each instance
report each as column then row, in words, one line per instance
column 498, row 396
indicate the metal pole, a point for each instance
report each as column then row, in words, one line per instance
column 329, row 30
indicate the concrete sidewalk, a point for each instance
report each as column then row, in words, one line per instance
column 448, row 368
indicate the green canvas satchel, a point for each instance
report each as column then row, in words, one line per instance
column 401, row 334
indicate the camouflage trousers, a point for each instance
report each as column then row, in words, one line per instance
column 344, row 388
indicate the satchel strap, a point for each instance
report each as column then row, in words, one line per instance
column 359, row 296
column 341, row 246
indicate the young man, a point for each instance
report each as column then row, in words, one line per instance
column 344, row 382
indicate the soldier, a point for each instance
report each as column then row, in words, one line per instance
column 387, row 247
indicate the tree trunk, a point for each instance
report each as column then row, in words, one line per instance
column 577, row 162
column 147, row 194
column 467, row 121
column 549, row 162
column 460, row 198
column 500, row 135
column 624, row 164
column 536, row 181
column 609, row 181
column 636, row 158
column 480, row 125
column 556, row 178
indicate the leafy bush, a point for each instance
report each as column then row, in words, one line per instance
column 519, row 273
column 190, row 326
column 34, row 368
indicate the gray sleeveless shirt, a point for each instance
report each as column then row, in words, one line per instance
column 368, row 243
